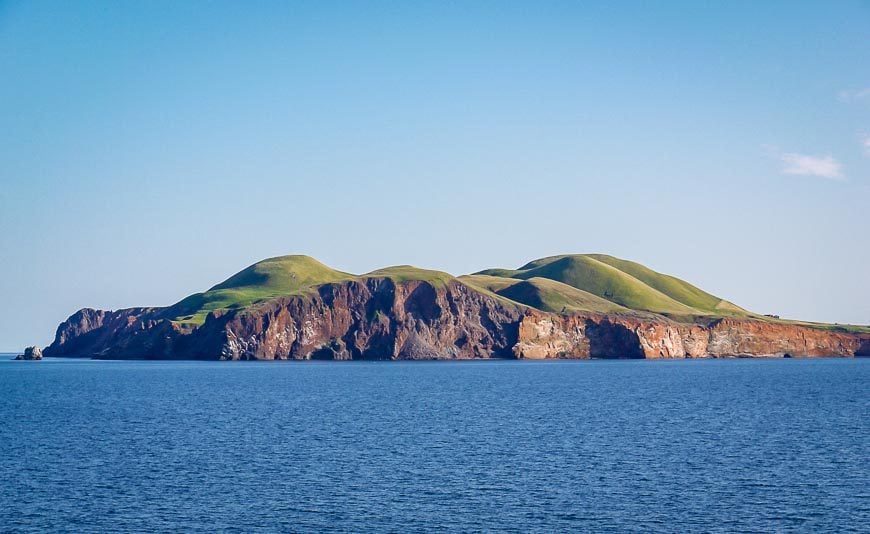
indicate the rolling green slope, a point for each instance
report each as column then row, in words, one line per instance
column 552, row 296
column 671, row 286
column 280, row 277
column 625, row 283
column 407, row 273
column 541, row 293
column 487, row 283
column 559, row 284
column 593, row 276
column 497, row 273
column 274, row 277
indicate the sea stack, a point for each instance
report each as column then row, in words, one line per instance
column 30, row 353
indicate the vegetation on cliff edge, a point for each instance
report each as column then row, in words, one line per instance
column 282, row 277
column 559, row 284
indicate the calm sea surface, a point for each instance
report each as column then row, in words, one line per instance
column 737, row 445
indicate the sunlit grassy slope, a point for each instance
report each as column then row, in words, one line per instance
column 671, row 286
column 280, row 277
column 559, row 284
column 274, row 277
column 553, row 296
column 406, row 273
column 624, row 283
column 543, row 294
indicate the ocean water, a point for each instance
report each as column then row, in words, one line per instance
column 679, row 446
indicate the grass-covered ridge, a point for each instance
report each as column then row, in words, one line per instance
column 552, row 296
column 271, row 278
column 602, row 280
column 487, row 283
column 624, row 283
column 281, row 277
column 671, row 286
column 559, row 284
column 542, row 293
column 409, row 273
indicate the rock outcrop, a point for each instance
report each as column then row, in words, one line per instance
column 30, row 353
column 379, row 318
column 628, row 336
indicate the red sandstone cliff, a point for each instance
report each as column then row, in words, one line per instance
column 623, row 336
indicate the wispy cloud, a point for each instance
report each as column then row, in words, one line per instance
column 806, row 165
column 865, row 143
column 854, row 94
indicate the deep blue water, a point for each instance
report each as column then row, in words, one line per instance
column 532, row 446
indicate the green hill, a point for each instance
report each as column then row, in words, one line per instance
column 623, row 282
column 552, row 296
column 541, row 293
column 280, row 277
column 671, row 286
column 559, row 284
column 274, row 277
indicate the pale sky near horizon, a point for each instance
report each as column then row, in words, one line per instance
column 148, row 150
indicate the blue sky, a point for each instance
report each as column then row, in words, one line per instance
column 149, row 150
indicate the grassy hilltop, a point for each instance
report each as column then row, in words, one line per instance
column 543, row 294
column 572, row 283
column 621, row 282
column 271, row 278
column 281, row 277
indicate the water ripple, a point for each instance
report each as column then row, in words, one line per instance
column 685, row 446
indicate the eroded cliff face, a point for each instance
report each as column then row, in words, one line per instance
column 89, row 331
column 377, row 318
column 374, row 318
column 623, row 336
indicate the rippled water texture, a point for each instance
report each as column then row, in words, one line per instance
column 600, row 445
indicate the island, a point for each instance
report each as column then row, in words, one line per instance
column 568, row 306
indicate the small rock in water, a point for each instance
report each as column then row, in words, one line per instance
column 30, row 353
